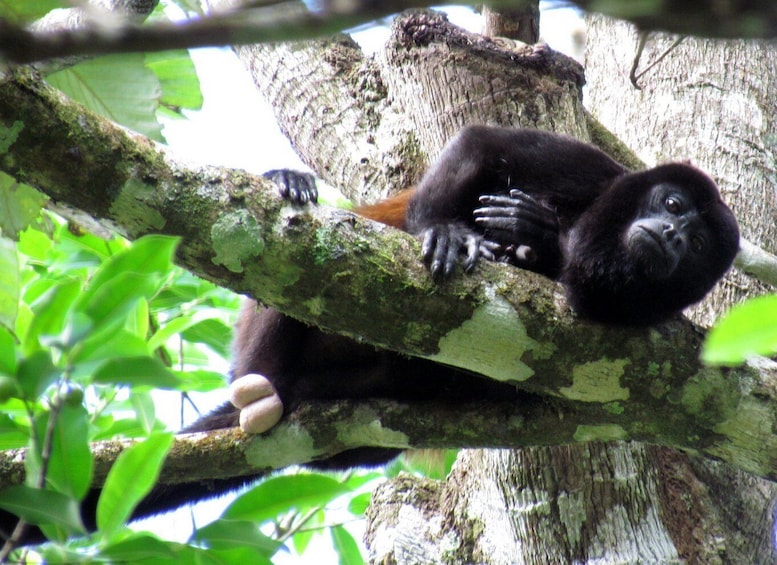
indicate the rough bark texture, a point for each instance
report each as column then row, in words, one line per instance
column 371, row 125
column 710, row 102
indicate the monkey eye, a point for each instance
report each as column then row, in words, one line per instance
column 697, row 244
column 672, row 205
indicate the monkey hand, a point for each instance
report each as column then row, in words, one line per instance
column 295, row 186
column 525, row 232
column 259, row 403
column 442, row 244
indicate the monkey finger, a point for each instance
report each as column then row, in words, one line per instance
column 496, row 200
column 501, row 211
column 472, row 247
column 428, row 244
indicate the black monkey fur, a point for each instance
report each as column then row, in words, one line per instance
column 630, row 247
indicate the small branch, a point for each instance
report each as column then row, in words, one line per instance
column 284, row 21
column 322, row 429
column 756, row 262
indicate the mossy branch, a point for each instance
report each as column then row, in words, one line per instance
column 602, row 383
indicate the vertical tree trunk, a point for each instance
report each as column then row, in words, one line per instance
column 711, row 102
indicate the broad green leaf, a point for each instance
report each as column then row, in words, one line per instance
column 8, row 360
column 233, row 556
column 359, row 503
column 144, row 409
column 284, row 493
column 70, row 463
column 200, row 381
column 40, row 507
column 346, row 547
column 131, row 478
column 35, row 244
column 20, row 206
column 140, row 547
column 10, row 283
column 118, row 344
column 118, row 87
column 212, row 332
column 59, row 554
column 35, row 373
column 12, row 435
column 136, row 371
column 135, row 273
column 171, row 328
column 227, row 534
column 178, row 78
column 51, row 311
column 748, row 330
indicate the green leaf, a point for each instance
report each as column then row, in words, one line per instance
column 200, row 381
column 118, row 344
column 359, row 503
column 748, row 330
column 71, row 463
column 135, row 273
column 212, row 332
column 144, row 409
column 26, row 11
column 281, row 494
column 10, row 283
column 50, row 312
column 40, row 507
column 8, row 360
column 347, row 549
column 171, row 328
column 140, row 547
column 136, row 371
column 118, row 87
column 36, row 373
column 20, row 206
column 35, row 244
column 227, row 534
column 131, row 478
column 178, row 77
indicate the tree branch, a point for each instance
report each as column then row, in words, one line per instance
column 290, row 20
column 605, row 382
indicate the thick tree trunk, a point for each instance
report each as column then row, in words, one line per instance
column 710, row 102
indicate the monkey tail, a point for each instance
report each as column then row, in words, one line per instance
column 390, row 211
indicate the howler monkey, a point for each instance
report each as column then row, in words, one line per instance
column 630, row 248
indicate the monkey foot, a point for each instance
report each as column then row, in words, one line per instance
column 259, row 403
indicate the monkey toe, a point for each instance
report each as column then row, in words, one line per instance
column 259, row 403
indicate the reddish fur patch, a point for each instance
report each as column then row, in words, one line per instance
column 390, row 211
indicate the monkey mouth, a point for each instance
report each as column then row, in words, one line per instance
column 657, row 259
